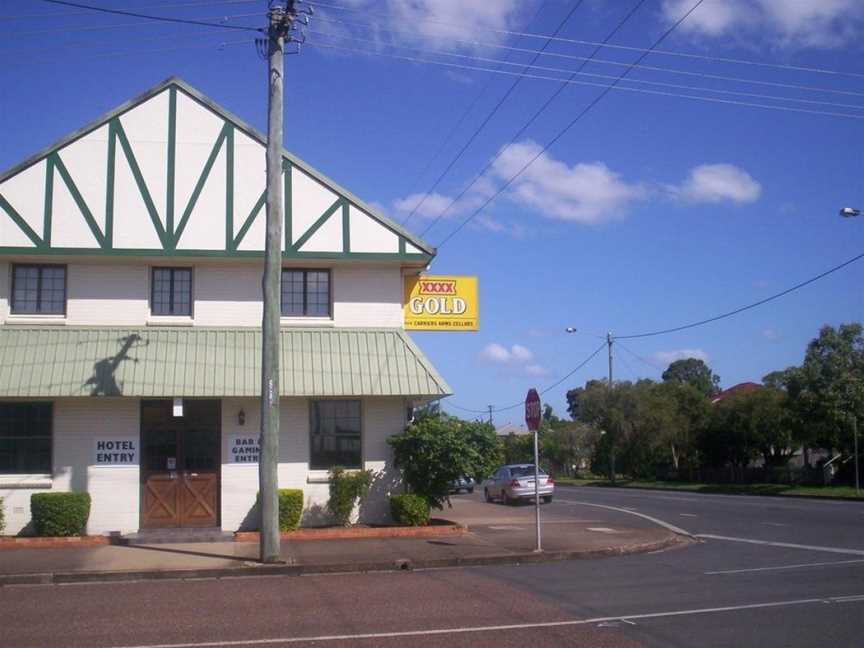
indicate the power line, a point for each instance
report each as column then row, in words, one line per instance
column 533, row 118
column 543, row 391
column 578, row 117
column 133, row 14
column 205, row 3
column 458, row 123
column 636, row 355
column 743, row 308
column 489, row 116
column 650, row 50
column 578, row 72
column 607, row 87
column 651, row 68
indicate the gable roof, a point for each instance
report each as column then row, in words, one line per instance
column 348, row 204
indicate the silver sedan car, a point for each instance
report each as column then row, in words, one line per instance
column 516, row 482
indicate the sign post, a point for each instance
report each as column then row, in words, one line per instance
column 532, row 420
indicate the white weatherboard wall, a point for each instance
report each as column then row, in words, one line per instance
column 114, row 490
column 382, row 418
column 224, row 294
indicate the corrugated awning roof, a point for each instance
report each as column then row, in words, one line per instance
column 208, row 362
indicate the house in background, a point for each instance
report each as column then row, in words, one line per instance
column 131, row 255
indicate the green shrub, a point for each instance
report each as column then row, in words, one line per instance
column 60, row 514
column 346, row 488
column 290, row 508
column 2, row 517
column 410, row 509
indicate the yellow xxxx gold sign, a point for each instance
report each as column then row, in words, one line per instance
column 441, row 303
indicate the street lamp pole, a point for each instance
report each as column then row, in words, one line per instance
column 851, row 212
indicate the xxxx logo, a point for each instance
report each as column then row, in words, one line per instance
column 437, row 287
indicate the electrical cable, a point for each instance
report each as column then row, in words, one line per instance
column 606, row 87
column 488, row 117
column 205, row 3
column 578, row 72
column 549, row 101
column 133, row 14
column 542, row 391
column 636, row 355
column 650, row 50
column 741, row 309
column 415, row 184
column 578, row 117
column 651, row 68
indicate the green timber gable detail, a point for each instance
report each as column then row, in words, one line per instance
column 170, row 173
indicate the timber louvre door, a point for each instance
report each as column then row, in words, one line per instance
column 180, row 464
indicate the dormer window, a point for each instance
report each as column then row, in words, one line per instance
column 171, row 291
column 305, row 293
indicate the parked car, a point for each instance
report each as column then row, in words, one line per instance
column 465, row 484
column 516, row 482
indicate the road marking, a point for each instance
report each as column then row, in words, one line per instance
column 602, row 529
column 782, row 567
column 665, row 525
column 775, row 524
column 688, row 515
column 851, row 552
column 626, row 618
column 506, row 527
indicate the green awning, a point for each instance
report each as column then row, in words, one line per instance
column 42, row 361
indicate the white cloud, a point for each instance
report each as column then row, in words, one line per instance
column 785, row 23
column 517, row 359
column 423, row 205
column 583, row 193
column 771, row 334
column 714, row 183
column 664, row 358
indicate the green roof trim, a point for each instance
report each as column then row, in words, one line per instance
column 166, row 362
column 175, row 83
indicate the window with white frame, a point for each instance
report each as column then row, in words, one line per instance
column 25, row 438
column 305, row 293
column 335, row 435
column 38, row 289
column 171, row 291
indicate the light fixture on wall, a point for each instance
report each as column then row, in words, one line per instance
column 177, row 408
column 241, row 417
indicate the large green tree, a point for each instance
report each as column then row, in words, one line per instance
column 693, row 371
column 435, row 450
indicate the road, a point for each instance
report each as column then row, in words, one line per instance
column 749, row 589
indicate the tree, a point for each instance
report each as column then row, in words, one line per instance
column 772, row 424
column 693, row 371
column 436, row 450
column 728, row 438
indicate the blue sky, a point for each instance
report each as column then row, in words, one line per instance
column 652, row 211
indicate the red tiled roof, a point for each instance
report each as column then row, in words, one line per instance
column 736, row 390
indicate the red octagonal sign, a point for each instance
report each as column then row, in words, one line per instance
column 532, row 409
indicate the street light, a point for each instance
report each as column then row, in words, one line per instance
column 850, row 212
column 570, row 329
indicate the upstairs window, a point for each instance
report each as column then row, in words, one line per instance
column 25, row 438
column 305, row 293
column 172, row 291
column 38, row 289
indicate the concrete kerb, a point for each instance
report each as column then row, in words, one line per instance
column 58, row 578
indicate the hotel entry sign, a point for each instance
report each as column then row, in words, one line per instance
column 441, row 303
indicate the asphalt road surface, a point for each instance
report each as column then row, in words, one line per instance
column 768, row 572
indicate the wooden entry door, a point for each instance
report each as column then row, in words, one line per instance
column 180, row 465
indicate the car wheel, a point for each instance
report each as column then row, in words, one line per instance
column 547, row 499
column 506, row 501
column 486, row 495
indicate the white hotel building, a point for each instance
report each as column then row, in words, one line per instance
column 131, row 255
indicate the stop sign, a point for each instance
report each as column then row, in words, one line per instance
column 532, row 409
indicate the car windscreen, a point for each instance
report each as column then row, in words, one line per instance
column 524, row 471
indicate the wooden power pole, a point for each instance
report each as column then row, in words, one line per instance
column 270, row 551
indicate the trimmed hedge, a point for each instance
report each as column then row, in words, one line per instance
column 410, row 509
column 290, row 508
column 346, row 488
column 2, row 517
column 60, row 514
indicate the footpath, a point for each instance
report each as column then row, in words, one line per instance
column 489, row 534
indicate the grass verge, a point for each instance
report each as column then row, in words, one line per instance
column 843, row 492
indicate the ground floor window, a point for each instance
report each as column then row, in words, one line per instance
column 335, row 434
column 25, row 438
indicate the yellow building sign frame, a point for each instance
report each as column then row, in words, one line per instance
column 441, row 303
